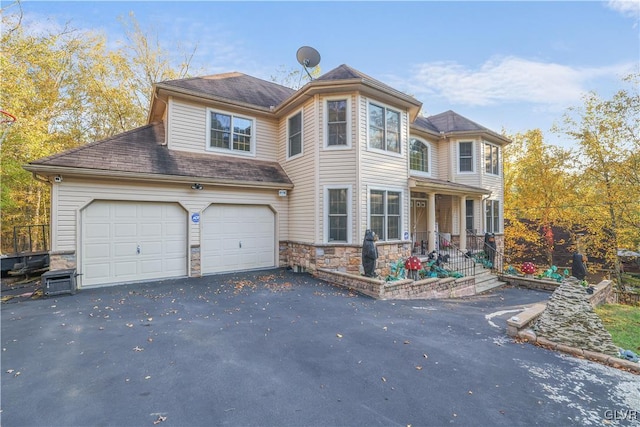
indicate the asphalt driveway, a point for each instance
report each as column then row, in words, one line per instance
column 275, row 348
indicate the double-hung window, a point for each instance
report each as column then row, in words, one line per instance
column 465, row 156
column 338, row 214
column 294, row 135
column 493, row 216
column 491, row 159
column 384, row 128
column 469, row 214
column 230, row 132
column 384, row 214
column 337, row 122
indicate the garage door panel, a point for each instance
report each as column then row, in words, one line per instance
column 113, row 231
column 151, row 229
column 125, row 268
column 237, row 237
column 150, row 266
column 97, row 271
column 98, row 251
column 94, row 231
column 124, row 250
column 125, row 230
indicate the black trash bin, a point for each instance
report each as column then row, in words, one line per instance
column 58, row 282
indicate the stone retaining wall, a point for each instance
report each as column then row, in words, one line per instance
column 401, row 289
column 530, row 283
column 339, row 257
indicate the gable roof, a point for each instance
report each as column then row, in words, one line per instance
column 234, row 87
column 451, row 122
column 141, row 153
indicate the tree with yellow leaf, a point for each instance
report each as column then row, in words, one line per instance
column 66, row 88
column 540, row 186
column 608, row 135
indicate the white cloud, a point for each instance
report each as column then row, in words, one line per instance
column 628, row 8
column 511, row 79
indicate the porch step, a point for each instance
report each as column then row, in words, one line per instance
column 486, row 281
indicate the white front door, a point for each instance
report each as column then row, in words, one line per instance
column 237, row 237
column 132, row 241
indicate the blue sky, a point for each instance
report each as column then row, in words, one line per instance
column 508, row 65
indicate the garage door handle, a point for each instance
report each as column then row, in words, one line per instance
column 138, row 250
column 240, row 244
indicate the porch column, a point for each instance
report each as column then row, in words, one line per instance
column 431, row 223
column 463, row 223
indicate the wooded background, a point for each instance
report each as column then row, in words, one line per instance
column 68, row 88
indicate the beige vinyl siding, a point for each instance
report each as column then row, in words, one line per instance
column 74, row 195
column 337, row 167
column 469, row 178
column 382, row 171
column 443, row 158
column 187, row 130
column 186, row 126
column 303, row 172
column 436, row 162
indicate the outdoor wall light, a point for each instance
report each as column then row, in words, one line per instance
column 197, row 186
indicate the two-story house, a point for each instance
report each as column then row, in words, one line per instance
column 236, row 173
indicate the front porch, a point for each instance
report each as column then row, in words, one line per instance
column 450, row 219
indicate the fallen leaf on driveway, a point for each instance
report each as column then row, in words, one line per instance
column 159, row 420
column 136, row 348
column 339, row 335
column 419, row 368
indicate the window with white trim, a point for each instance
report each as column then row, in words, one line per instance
column 384, row 214
column 469, row 214
column 294, row 135
column 384, row 128
column 491, row 159
column 337, row 120
column 419, row 156
column 338, row 214
column 492, row 210
column 465, row 156
column 228, row 132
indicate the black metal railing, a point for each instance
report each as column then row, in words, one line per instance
column 483, row 253
column 452, row 259
column 30, row 238
column 420, row 240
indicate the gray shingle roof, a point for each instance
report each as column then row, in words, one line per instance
column 451, row 122
column 141, row 151
column 235, row 87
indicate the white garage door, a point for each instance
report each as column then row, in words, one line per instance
column 237, row 237
column 131, row 241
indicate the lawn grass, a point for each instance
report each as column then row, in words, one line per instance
column 623, row 323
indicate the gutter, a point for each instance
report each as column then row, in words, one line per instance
column 148, row 177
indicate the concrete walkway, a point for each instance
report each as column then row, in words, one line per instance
column 274, row 348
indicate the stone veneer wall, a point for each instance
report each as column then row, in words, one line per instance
column 196, row 269
column 62, row 260
column 401, row 289
column 338, row 257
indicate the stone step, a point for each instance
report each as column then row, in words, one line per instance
column 488, row 285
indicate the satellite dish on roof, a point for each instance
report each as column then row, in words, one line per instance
column 308, row 57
